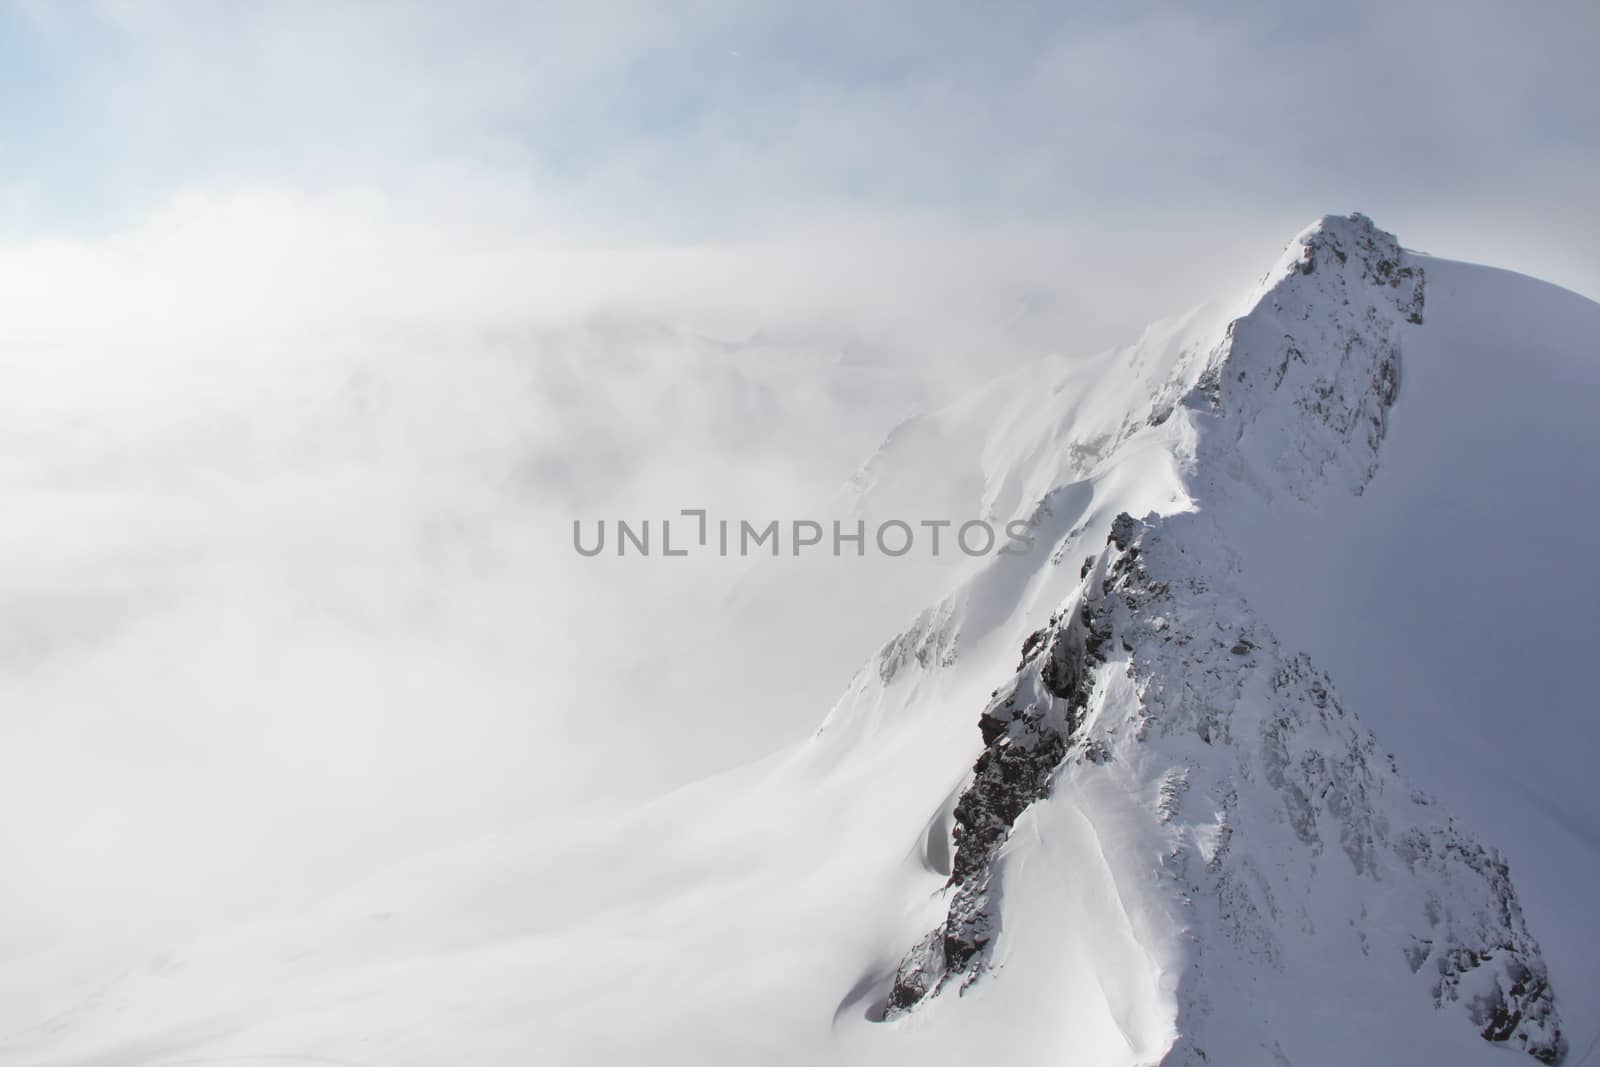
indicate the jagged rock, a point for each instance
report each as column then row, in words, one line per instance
column 1026, row 730
column 933, row 640
column 1265, row 784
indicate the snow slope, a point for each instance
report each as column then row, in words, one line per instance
column 1272, row 751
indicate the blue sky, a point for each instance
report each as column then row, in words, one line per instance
column 612, row 124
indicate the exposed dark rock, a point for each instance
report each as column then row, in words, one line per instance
column 1121, row 531
column 1282, row 740
column 1285, row 785
column 1026, row 732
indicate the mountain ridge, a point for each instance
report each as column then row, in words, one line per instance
column 1333, row 356
column 1190, row 843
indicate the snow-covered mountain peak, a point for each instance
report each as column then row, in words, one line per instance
column 1305, row 378
column 1276, row 748
column 1296, row 865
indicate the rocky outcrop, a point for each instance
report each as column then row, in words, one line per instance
column 1026, row 730
column 932, row 640
column 1315, row 366
column 1289, row 835
column 1299, row 802
column 1322, row 803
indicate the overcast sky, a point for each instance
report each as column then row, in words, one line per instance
column 1192, row 137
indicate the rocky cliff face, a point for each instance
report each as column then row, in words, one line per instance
column 1287, row 833
column 1026, row 730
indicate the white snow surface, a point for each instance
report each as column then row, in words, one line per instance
column 1348, row 652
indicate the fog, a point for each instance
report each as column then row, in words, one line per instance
column 318, row 331
column 289, row 589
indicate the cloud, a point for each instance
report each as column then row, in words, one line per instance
column 622, row 123
column 323, row 322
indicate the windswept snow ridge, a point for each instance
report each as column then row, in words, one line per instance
column 1285, row 833
column 1295, row 767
